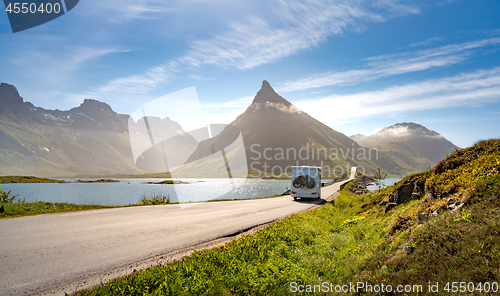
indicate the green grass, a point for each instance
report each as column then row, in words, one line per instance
column 19, row 209
column 306, row 247
column 155, row 200
column 27, row 179
column 354, row 240
column 460, row 246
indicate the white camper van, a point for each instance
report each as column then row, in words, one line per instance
column 306, row 182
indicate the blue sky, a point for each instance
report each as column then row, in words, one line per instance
column 355, row 65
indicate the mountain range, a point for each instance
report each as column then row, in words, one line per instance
column 277, row 135
column 410, row 145
column 92, row 139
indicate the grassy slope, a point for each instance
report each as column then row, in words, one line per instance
column 36, row 208
column 354, row 240
column 27, row 179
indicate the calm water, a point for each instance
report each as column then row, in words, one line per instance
column 129, row 191
column 387, row 182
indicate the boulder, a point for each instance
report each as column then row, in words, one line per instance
column 402, row 194
column 423, row 217
column 429, row 198
column 407, row 248
column 417, row 191
column 390, row 206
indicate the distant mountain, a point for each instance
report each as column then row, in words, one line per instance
column 90, row 139
column 176, row 148
column 277, row 135
column 410, row 145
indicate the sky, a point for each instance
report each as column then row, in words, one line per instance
column 355, row 65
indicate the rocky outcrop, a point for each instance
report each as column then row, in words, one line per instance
column 402, row 195
column 410, row 190
column 359, row 186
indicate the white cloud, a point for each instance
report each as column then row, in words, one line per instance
column 123, row 10
column 392, row 64
column 279, row 106
column 294, row 26
column 289, row 27
column 238, row 103
column 468, row 89
column 58, row 67
column 426, row 42
column 139, row 83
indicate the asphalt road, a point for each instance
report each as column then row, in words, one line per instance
column 39, row 253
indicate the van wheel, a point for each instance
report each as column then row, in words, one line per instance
column 294, row 198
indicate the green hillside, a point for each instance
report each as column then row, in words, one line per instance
column 439, row 226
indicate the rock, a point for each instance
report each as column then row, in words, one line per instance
column 402, row 194
column 417, row 191
column 456, row 208
column 407, row 248
column 390, row 206
column 383, row 203
column 429, row 198
column 423, row 217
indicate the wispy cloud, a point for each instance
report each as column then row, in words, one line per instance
column 468, row 89
column 495, row 32
column 140, row 83
column 426, row 42
column 293, row 26
column 392, row 64
column 289, row 27
column 59, row 67
column 123, row 10
column 238, row 103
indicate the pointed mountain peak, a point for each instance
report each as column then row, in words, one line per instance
column 9, row 92
column 266, row 94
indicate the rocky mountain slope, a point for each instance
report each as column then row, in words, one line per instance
column 277, row 135
column 90, row 139
column 410, row 145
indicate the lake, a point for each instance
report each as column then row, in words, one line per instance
column 387, row 182
column 129, row 191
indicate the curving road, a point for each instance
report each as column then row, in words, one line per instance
column 41, row 253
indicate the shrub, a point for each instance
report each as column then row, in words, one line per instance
column 154, row 200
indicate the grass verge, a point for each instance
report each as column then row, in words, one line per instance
column 304, row 248
column 450, row 236
column 20, row 209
